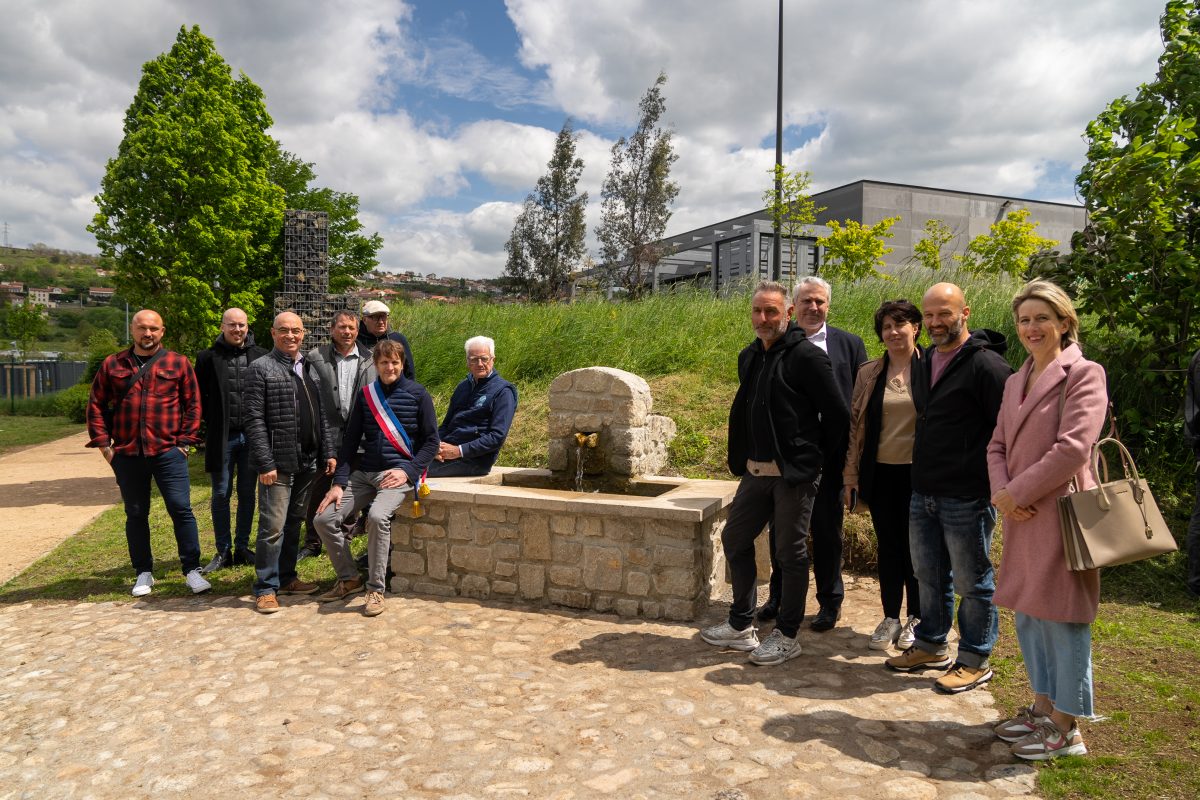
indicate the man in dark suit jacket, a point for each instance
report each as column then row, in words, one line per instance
column 847, row 352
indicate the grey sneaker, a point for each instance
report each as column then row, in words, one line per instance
column 196, row 582
column 1020, row 726
column 145, row 581
column 885, row 634
column 775, row 649
column 1049, row 742
column 725, row 635
column 908, row 634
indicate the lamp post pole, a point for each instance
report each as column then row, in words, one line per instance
column 12, row 376
column 777, row 245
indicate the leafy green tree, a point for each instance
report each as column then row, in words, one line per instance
column 546, row 243
column 792, row 210
column 930, row 251
column 1136, row 265
column 636, row 198
column 351, row 252
column 855, row 251
column 188, row 214
column 1006, row 248
column 27, row 324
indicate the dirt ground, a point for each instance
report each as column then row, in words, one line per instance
column 48, row 493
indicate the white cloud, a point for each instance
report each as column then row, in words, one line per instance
column 986, row 96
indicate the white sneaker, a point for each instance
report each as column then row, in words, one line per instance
column 908, row 634
column 725, row 635
column 775, row 649
column 885, row 634
column 196, row 582
column 141, row 588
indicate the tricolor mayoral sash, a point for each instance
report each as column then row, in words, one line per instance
column 386, row 419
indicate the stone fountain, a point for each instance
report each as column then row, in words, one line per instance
column 642, row 545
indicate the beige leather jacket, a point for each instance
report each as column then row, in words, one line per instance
column 864, row 384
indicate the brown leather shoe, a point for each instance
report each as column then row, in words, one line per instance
column 266, row 604
column 342, row 589
column 298, row 586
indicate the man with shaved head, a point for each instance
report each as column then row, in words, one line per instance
column 957, row 392
column 290, row 443
column 144, row 415
column 221, row 371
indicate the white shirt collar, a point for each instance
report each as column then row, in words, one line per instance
column 821, row 337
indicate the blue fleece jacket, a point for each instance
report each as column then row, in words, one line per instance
column 479, row 417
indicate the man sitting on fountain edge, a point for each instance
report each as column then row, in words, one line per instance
column 477, row 421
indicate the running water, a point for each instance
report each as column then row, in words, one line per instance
column 579, row 467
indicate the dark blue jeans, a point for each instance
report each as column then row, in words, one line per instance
column 170, row 471
column 236, row 463
column 281, row 508
column 950, row 539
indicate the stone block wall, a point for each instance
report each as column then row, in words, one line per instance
column 633, row 566
column 616, row 405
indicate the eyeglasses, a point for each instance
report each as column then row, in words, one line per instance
column 378, row 316
column 478, row 359
column 292, row 331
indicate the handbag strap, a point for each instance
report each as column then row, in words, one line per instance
column 124, row 392
column 1112, row 434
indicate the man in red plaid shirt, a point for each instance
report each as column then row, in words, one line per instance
column 144, row 414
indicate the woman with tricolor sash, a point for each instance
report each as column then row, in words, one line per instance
column 393, row 419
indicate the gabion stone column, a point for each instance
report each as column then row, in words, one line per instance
column 616, row 406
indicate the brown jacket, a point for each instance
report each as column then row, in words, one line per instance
column 864, row 383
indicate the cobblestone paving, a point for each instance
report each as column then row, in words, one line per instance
column 446, row 699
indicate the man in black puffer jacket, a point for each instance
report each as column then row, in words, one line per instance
column 787, row 415
column 289, row 441
column 221, row 371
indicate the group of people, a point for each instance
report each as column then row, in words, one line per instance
column 315, row 437
column 933, row 443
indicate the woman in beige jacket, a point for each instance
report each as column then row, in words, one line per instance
column 878, row 468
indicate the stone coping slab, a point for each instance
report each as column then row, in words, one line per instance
column 690, row 501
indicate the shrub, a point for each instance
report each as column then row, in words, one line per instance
column 72, row 403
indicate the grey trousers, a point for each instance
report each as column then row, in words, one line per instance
column 359, row 493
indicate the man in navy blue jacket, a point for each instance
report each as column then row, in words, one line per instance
column 481, row 411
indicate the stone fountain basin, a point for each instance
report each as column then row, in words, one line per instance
column 500, row 536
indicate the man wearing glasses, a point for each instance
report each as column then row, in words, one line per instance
column 477, row 422
column 290, row 443
column 374, row 327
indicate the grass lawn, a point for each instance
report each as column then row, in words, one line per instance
column 19, row 432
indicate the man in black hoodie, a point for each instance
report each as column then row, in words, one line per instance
column 957, row 393
column 787, row 414
column 221, row 372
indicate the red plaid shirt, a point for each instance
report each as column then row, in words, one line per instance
column 161, row 411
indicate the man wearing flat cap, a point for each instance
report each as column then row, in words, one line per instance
column 374, row 327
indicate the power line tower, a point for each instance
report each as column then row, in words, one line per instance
column 6, row 234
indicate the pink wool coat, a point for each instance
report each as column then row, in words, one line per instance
column 1034, row 453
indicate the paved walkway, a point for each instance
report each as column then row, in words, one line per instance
column 447, row 699
column 48, row 493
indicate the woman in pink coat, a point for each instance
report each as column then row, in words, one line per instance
column 1034, row 453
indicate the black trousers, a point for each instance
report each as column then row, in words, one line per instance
column 760, row 500
column 826, row 528
column 890, row 497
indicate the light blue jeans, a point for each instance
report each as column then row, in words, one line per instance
column 1058, row 660
column 950, row 539
column 363, row 489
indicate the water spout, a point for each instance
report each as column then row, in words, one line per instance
column 589, row 440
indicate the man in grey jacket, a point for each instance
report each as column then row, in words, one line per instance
column 344, row 367
column 289, row 444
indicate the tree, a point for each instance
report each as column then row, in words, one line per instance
column 1006, row 248
column 792, row 210
column 188, row 214
column 930, row 251
column 27, row 324
column 855, row 251
column 546, row 243
column 351, row 253
column 1135, row 264
column 636, row 198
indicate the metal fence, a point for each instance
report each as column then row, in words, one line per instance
column 37, row 378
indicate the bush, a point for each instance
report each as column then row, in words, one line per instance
column 72, row 403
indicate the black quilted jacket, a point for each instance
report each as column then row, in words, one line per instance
column 272, row 424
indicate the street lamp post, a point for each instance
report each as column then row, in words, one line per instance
column 777, row 245
column 12, row 376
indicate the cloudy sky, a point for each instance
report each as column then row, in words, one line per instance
column 441, row 114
